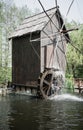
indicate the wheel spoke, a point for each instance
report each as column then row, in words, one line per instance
column 45, row 88
column 46, row 82
column 48, row 91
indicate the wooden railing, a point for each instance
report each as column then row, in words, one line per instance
column 78, row 84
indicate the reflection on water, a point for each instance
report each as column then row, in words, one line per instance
column 24, row 113
column 4, row 112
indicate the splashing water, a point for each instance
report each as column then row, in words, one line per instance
column 66, row 97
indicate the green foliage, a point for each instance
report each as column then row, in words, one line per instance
column 68, row 86
column 79, row 71
column 69, row 83
column 5, row 75
column 74, row 57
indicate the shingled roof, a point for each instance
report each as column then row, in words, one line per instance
column 33, row 23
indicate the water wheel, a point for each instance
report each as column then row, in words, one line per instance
column 49, row 83
column 45, row 83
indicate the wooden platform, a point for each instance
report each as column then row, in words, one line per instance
column 78, row 84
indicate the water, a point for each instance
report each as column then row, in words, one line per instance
column 67, row 97
column 63, row 112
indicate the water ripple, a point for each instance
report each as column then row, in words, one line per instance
column 66, row 97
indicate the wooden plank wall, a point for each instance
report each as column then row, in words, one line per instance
column 25, row 62
column 58, row 58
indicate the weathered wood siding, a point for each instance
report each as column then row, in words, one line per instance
column 49, row 36
column 25, row 61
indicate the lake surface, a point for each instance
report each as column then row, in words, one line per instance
column 63, row 112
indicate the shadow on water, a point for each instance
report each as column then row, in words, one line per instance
column 62, row 112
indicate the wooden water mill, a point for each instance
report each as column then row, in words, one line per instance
column 38, row 50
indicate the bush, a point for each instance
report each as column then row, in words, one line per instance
column 5, row 75
column 69, row 83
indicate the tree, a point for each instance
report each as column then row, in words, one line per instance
column 75, row 58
